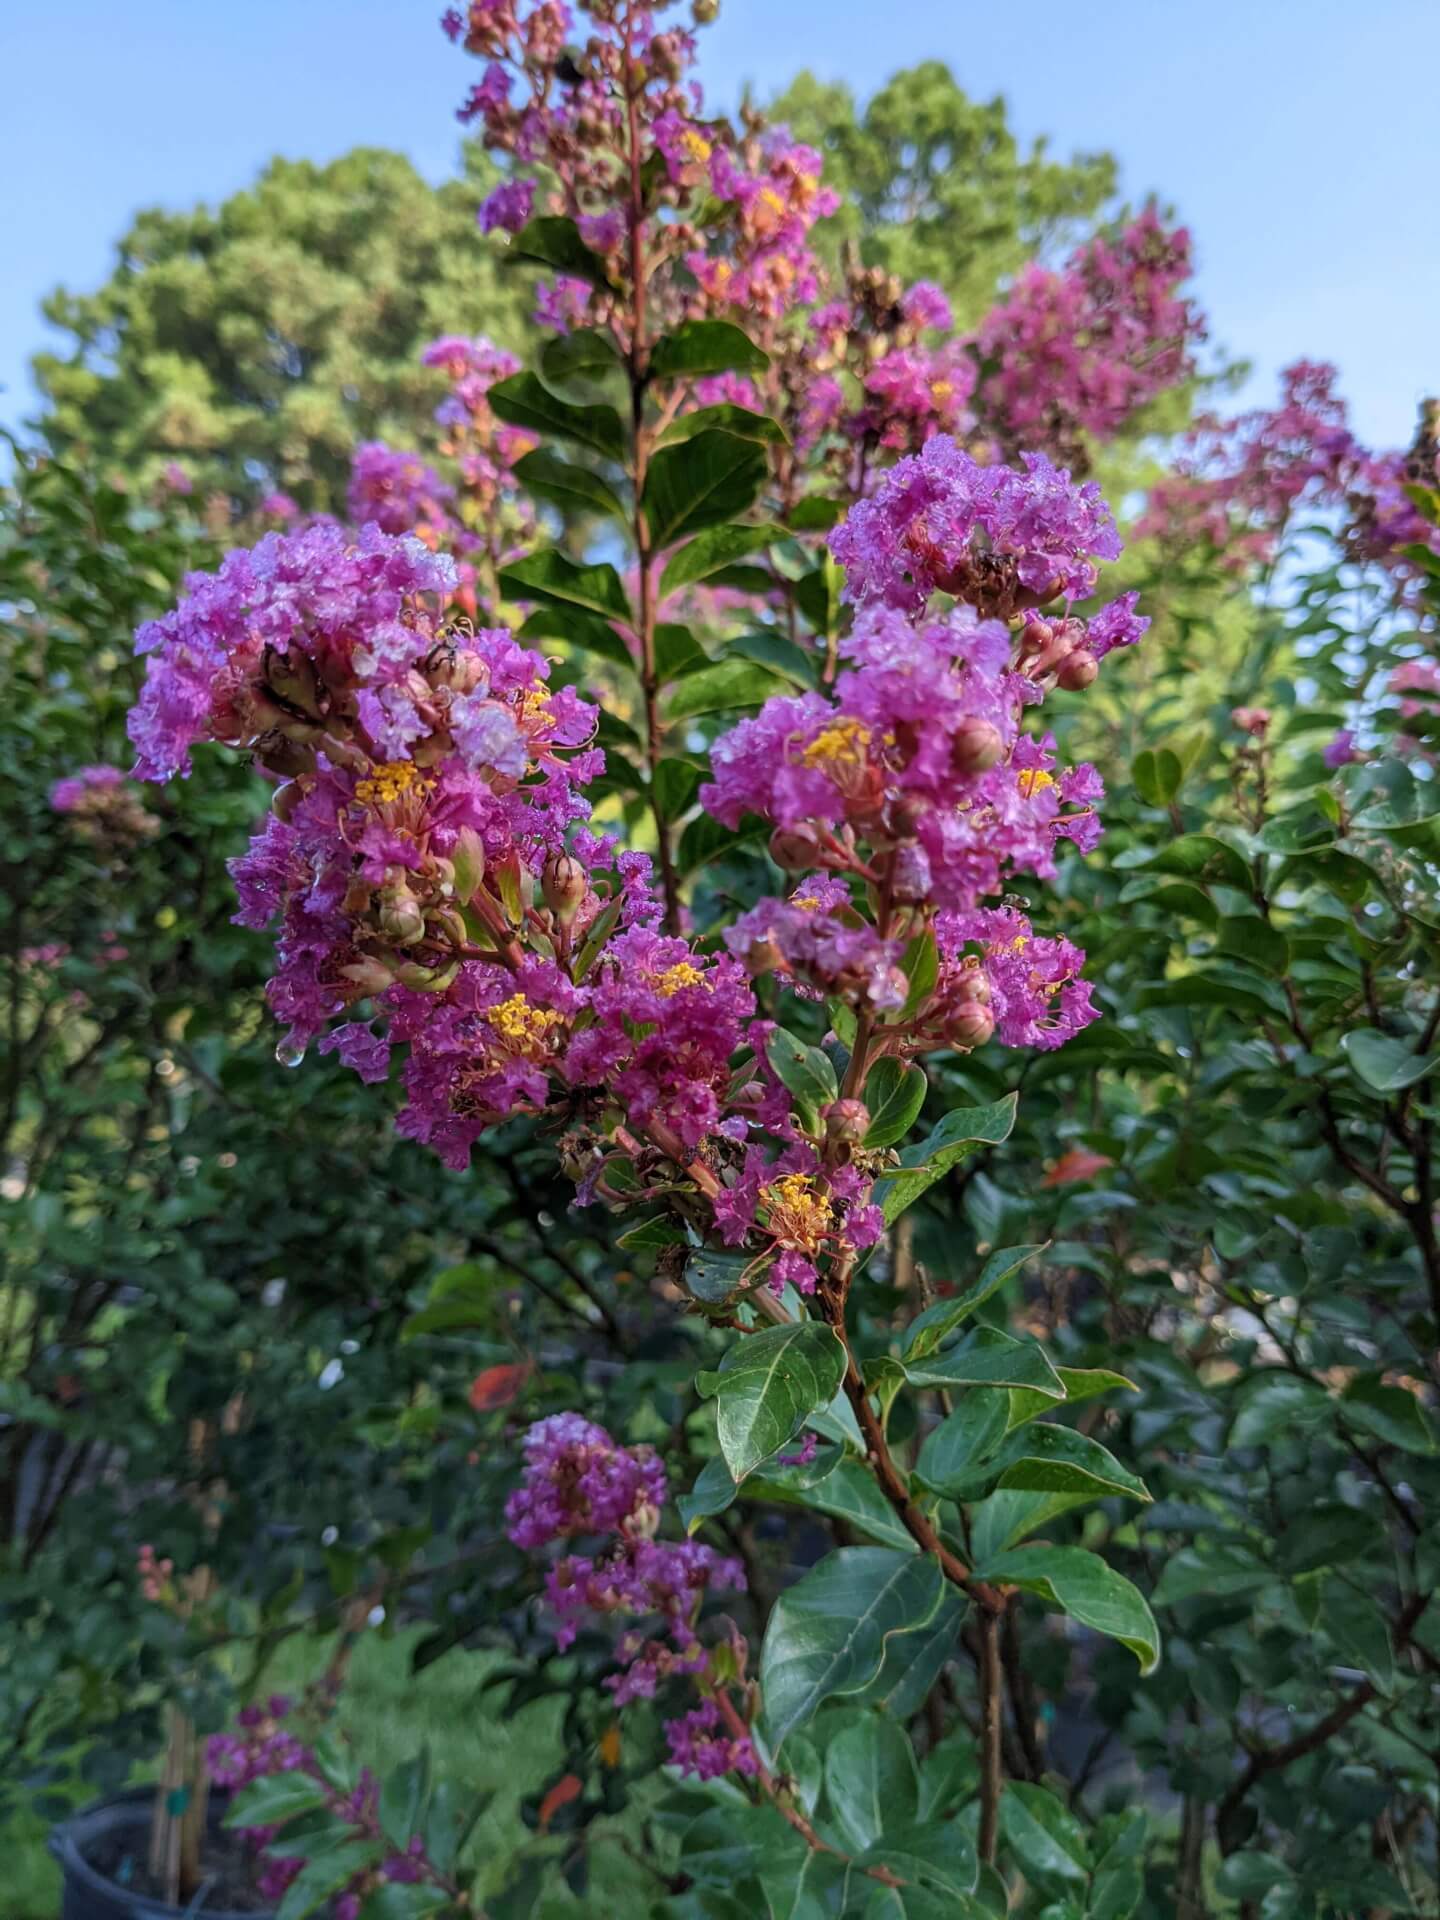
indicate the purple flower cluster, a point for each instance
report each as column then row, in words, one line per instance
column 579, row 1482
column 262, row 1745
column 103, row 808
column 941, row 521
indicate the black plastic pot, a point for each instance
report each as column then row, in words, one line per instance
column 88, row 1895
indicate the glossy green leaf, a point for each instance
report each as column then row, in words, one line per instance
column 273, row 1799
column 961, row 1133
column 586, row 353
column 705, row 346
column 396, row 1900
column 893, row 1095
column 551, row 240
column 711, row 550
column 805, row 1070
column 768, row 1385
column 1047, row 1840
column 402, row 1798
column 964, row 1440
column 719, row 688
column 676, row 784
column 1392, row 1414
column 552, row 575
column 849, row 1492
column 711, row 478
column 573, row 489
column 1080, row 1383
column 1384, row 1063
column 523, row 400
column 928, row 1329
column 560, row 620
column 1044, row 1458
column 827, row 1635
column 1157, row 774
column 726, row 419
column 988, row 1360
column 871, row 1786
column 1082, row 1585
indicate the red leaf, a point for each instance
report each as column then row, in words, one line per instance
column 1078, row 1164
column 567, row 1788
column 497, row 1386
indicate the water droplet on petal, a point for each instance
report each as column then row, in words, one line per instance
column 290, row 1053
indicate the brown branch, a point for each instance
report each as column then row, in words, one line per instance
column 992, row 1759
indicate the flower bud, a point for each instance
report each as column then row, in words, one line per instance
column 279, row 754
column 973, row 986
column 794, row 849
column 763, row 956
column 846, row 1122
column 368, row 975
column 1252, row 720
column 292, row 678
column 971, row 1025
column 564, row 884
column 907, row 815
column 401, row 918
column 976, row 747
column 704, row 12
column 467, row 859
column 286, row 799
column 1078, row 671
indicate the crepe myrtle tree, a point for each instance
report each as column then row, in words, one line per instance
column 718, row 960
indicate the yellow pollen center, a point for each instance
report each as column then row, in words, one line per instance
column 695, row 145
column 387, row 782
column 1035, row 780
column 941, row 389
column 807, row 903
column 843, row 745
column 682, row 974
column 520, row 1026
column 797, row 1215
column 534, row 705
column 769, row 198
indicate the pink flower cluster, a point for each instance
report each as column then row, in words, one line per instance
column 1243, row 480
column 263, row 1745
column 579, row 1483
column 103, row 808
column 1079, row 352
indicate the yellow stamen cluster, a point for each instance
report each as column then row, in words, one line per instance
column 796, row 1214
column 534, row 706
column 1034, row 780
column 846, row 744
column 522, row 1028
column 388, row 782
column 682, row 974
column 941, row 389
column 807, row 903
column 695, row 145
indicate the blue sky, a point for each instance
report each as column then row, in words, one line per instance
column 1299, row 138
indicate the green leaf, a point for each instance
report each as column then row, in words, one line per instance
column 827, row 1635
column 397, row 1901
column 1044, row 1458
column 1392, row 1414
column 708, row 552
column 726, row 419
column 768, row 1385
column 714, row 689
column 1082, row 1585
column 716, row 1277
column 913, row 1663
column 1248, row 937
column 894, row 1095
column 705, row 346
column 706, row 839
column 964, row 1439
column 806, row 1071
column 713, row 477
column 770, row 649
column 816, row 513
column 1003, row 1520
column 402, row 1798
column 818, row 595
column 920, row 965
column 1047, row 1840
column 557, row 620
column 953, row 1140
column 676, row 651
column 1157, row 774
column 870, row 1780
column 990, row 1359
column 847, row 1492
column 523, row 400
column 550, row 575
column 273, row 1799
column 574, row 489
column 676, row 784
column 1359, row 1630
column 714, row 1490
column 553, row 241
column 1080, row 1383
column 324, row 1874
column 658, row 1231
column 928, row 1329
column 1384, row 1063
column 587, row 353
